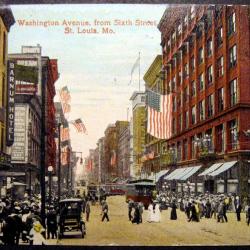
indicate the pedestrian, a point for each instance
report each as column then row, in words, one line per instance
column 194, row 214
column 225, row 211
column 105, row 211
column 141, row 208
column 150, row 212
column 130, row 208
column 208, row 209
column 238, row 207
column 220, row 216
column 157, row 213
column 173, row 215
column 214, row 208
column 87, row 210
column 136, row 218
column 51, row 222
column 36, row 236
column 248, row 214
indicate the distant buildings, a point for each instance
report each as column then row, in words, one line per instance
column 138, row 126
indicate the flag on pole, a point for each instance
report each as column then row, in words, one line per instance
column 136, row 64
column 80, row 127
column 64, row 95
column 159, row 123
column 64, row 134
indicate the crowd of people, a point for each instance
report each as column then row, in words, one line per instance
column 20, row 221
column 194, row 206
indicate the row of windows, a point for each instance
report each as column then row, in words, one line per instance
column 210, row 102
column 34, row 124
column 206, row 141
column 200, row 108
column 201, row 28
column 232, row 61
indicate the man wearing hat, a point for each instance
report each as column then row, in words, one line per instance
column 238, row 207
column 51, row 222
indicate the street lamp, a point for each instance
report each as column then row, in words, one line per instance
column 50, row 170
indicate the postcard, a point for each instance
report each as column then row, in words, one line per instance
column 124, row 124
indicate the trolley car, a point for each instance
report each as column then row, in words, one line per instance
column 140, row 191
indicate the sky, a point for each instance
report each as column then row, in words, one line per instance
column 95, row 67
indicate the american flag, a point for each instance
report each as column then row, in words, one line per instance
column 65, row 134
column 113, row 158
column 159, row 122
column 89, row 165
column 64, row 95
column 80, row 127
column 66, row 108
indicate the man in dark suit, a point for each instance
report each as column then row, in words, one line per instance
column 105, row 210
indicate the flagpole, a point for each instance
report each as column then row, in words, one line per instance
column 127, row 113
column 139, row 70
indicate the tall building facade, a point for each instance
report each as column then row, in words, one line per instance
column 138, row 99
column 6, row 21
column 31, row 71
column 205, row 57
column 25, row 155
column 153, row 158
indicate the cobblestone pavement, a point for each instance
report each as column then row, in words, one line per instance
column 120, row 231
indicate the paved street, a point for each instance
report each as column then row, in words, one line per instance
column 119, row 231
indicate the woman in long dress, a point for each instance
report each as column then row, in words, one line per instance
column 157, row 213
column 173, row 215
column 150, row 213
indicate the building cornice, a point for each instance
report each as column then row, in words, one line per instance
column 7, row 17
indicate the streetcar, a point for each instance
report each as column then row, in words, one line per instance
column 114, row 188
column 141, row 191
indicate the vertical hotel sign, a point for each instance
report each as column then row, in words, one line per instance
column 10, row 103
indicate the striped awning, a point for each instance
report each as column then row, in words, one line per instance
column 211, row 169
column 182, row 173
column 191, row 172
column 173, row 174
column 226, row 166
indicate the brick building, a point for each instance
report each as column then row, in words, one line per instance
column 206, row 62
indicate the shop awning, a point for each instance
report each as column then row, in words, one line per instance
column 160, row 174
column 181, row 173
column 223, row 168
column 172, row 175
column 211, row 169
column 191, row 172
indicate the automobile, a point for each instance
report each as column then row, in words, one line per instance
column 71, row 217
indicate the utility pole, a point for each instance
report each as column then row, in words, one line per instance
column 42, row 151
column 59, row 161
